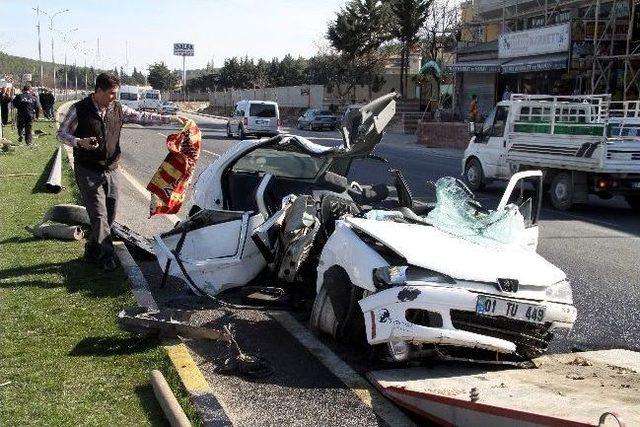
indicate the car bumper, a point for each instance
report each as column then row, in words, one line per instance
column 455, row 321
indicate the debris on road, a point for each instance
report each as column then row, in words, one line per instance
column 141, row 320
column 54, row 181
column 243, row 364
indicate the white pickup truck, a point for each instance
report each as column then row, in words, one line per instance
column 581, row 143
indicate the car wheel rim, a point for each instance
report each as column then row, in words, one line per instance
column 561, row 191
column 472, row 175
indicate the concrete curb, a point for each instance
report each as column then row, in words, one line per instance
column 200, row 393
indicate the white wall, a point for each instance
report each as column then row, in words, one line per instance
column 287, row 96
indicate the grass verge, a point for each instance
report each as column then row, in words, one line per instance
column 63, row 360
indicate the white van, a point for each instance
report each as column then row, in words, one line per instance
column 129, row 96
column 150, row 100
column 259, row 118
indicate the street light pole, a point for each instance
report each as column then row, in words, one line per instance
column 64, row 35
column 53, row 60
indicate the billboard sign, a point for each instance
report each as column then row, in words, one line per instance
column 537, row 41
column 183, row 49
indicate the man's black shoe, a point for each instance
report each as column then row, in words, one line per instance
column 91, row 254
column 109, row 264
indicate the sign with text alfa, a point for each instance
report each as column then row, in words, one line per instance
column 537, row 41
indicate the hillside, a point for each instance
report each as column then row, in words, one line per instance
column 13, row 67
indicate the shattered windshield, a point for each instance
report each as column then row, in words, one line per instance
column 458, row 213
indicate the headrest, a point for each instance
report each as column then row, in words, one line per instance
column 334, row 182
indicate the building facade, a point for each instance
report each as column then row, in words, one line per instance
column 558, row 47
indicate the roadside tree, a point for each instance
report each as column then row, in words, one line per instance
column 408, row 18
column 160, row 77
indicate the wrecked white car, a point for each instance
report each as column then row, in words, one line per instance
column 412, row 278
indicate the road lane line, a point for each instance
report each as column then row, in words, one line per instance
column 211, row 153
column 358, row 385
column 162, row 134
column 171, row 217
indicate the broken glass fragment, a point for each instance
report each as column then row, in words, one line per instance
column 458, row 213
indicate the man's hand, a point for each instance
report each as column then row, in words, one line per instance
column 179, row 119
column 88, row 143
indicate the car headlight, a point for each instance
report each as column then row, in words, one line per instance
column 560, row 292
column 399, row 275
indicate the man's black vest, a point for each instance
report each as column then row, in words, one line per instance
column 107, row 131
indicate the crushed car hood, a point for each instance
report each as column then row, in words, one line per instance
column 427, row 247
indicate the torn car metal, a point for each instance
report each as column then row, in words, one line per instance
column 407, row 275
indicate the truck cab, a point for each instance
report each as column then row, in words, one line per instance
column 485, row 157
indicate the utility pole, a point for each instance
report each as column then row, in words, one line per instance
column 37, row 9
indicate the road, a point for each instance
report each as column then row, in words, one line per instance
column 597, row 245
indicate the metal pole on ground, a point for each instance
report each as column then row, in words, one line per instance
column 168, row 402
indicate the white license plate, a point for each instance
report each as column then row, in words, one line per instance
column 262, row 122
column 635, row 184
column 491, row 306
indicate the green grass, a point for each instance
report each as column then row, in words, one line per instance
column 66, row 360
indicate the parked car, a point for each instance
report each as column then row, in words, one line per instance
column 256, row 118
column 313, row 119
column 408, row 278
column 168, row 107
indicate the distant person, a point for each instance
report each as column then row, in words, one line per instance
column 474, row 110
column 506, row 95
column 42, row 97
column 26, row 105
column 5, row 100
column 92, row 127
column 51, row 101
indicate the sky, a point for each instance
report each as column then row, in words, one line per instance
column 141, row 32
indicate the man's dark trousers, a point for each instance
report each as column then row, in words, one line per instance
column 24, row 126
column 99, row 191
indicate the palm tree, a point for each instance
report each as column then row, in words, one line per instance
column 409, row 17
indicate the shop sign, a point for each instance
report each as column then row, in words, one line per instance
column 537, row 41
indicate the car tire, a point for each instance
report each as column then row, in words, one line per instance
column 337, row 293
column 241, row 133
column 474, row 175
column 634, row 201
column 229, row 134
column 561, row 191
column 323, row 319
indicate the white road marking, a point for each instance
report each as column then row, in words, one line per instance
column 162, row 134
column 211, row 153
column 358, row 385
column 171, row 217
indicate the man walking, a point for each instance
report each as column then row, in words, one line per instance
column 92, row 127
column 26, row 105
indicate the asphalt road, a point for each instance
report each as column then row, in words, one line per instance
column 597, row 245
